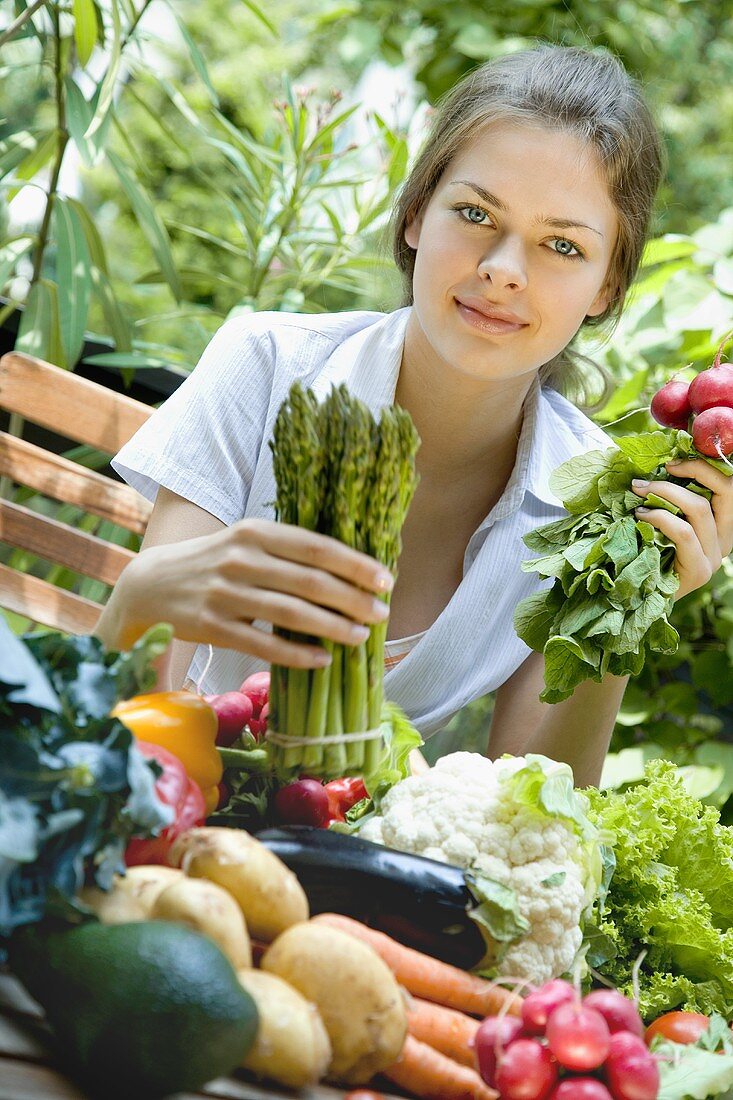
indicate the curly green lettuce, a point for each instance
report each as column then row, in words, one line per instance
column 671, row 895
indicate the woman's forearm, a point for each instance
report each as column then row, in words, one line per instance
column 579, row 729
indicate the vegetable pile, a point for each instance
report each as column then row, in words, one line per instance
column 344, row 474
column 670, row 896
column 614, row 581
column 532, row 855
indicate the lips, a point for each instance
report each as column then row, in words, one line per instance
column 491, row 311
column 486, row 318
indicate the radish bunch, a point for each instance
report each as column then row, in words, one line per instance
column 565, row 1048
column 247, row 707
column 707, row 401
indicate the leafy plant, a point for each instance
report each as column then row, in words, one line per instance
column 73, row 789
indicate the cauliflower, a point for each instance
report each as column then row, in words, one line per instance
column 521, row 832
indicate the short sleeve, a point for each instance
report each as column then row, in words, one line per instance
column 203, row 442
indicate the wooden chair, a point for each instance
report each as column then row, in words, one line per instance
column 84, row 412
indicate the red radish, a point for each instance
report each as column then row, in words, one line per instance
column 713, row 387
column 526, row 1071
column 578, row 1037
column 538, row 1005
column 712, row 430
column 257, row 687
column 630, row 1070
column 304, row 802
column 233, row 711
column 258, row 726
column 494, row 1034
column 581, row 1088
column 671, row 405
column 619, row 1012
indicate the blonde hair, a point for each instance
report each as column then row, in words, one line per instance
column 587, row 94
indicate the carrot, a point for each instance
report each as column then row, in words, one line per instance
column 430, row 1075
column 429, row 978
column 443, row 1029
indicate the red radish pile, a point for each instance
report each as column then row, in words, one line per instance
column 247, row 708
column 708, row 401
column 568, row 1048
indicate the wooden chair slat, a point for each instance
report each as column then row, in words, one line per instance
column 65, row 403
column 57, row 542
column 57, row 477
column 47, row 604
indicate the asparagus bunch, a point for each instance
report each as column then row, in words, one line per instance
column 342, row 473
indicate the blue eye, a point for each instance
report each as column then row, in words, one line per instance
column 475, row 214
column 565, row 247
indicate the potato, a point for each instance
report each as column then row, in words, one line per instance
column 292, row 1045
column 132, row 895
column 210, row 909
column 268, row 894
column 356, row 994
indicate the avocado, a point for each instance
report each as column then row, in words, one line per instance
column 139, row 1010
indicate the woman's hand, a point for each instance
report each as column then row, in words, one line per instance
column 703, row 536
column 211, row 589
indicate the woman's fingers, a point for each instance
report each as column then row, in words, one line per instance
column 721, row 486
column 697, row 512
column 263, row 571
column 318, row 551
column 692, row 563
column 292, row 613
column 247, row 638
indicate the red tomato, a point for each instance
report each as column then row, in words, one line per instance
column 191, row 812
column 680, row 1027
column 175, row 789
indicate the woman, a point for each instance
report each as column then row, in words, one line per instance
column 523, row 219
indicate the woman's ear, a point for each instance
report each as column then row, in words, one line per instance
column 601, row 302
column 412, row 231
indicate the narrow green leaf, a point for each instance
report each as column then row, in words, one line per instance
column 74, row 281
column 97, row 253
column 39, row 331
column 259, row 14
column 15, row 149
column 150, row 224
column 79, row 115
column 220, row 242
column 122, row 360
column 85, row 29
column 105, row 92
column 9, row 256
column 117, row 324
column 196, row 56
column 37, row 159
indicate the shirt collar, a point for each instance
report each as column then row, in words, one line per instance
column 369, row 361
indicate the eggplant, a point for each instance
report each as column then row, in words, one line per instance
column 420, row 902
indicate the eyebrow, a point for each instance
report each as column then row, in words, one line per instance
column 558, row 223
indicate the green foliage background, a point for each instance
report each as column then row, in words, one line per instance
column 219, row 182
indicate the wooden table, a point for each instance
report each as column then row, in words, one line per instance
column 27, row 1071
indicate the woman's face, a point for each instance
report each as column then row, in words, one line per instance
column 512, row 250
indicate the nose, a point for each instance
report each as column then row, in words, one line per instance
column 503, row 265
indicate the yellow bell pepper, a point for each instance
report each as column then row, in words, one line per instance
column 186, row 725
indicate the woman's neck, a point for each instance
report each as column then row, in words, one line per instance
column 466, row 424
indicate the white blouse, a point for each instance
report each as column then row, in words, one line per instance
column 209, row 444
